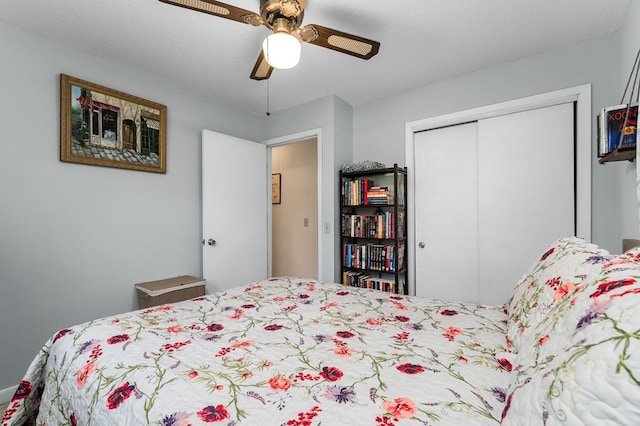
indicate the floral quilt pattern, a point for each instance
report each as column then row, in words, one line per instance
column 279, row 352
column 576, row 339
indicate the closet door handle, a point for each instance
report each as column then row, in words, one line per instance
column 421, row 244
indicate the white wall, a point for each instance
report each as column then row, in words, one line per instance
column 73, row 238
column 379, row 126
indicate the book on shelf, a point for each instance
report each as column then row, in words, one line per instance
column 378, row 226
column 354, row 191
column 379, row 195
column 362, row 280
column 617, row 128
column 373, row 257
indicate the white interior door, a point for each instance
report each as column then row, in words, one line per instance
column 234, row 211
column 489, row 196
column 446, row 223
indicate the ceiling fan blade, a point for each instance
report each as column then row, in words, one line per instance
column 217, row 8
column 261, row 70
column 339, row 41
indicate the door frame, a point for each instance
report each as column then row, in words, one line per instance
column 581, row 95
column 285, row 140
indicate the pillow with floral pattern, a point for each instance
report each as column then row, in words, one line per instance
column 583, row 366
column 561, row 268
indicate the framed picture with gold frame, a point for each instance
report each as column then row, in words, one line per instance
column 275, row 188
column 105, row 127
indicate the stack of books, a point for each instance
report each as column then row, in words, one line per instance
column 379, row 195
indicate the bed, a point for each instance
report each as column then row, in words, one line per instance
column 564, row 349
column 284, row 351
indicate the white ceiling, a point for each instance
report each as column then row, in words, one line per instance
column 421, row 42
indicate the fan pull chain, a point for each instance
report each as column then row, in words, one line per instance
column 268, row 113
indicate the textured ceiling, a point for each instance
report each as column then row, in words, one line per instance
column 421, row 42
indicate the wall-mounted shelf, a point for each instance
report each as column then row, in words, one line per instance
column 619, row 155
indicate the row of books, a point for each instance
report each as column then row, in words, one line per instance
column 381, row 225
column 617, row 128
column 374, row 257
column 362, row 192
column 361, row 280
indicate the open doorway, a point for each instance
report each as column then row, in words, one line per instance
column 294, row 218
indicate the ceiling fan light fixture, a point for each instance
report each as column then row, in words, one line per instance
column 282, row 50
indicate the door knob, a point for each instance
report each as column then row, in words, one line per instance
column 210, row 241
column 421, row 244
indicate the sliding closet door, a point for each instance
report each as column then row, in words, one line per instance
column 489, row 196
column 526, row 192
column 446, row 210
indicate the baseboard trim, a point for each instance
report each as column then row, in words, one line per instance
column 7, row 394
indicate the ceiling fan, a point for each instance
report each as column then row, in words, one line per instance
column 284, row 18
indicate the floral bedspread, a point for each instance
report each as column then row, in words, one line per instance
column 279, row 352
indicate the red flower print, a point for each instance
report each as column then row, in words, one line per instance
column 60, row 334
column 170, row 347
column 73, row 419
column 119, row 395
column 607, row 286
column 554, row 282
column 373, row 321
column 23, row 391
column 451, row 332
column 117, row 339
column 280, row 383
column 343, row 352
column 304, row 296
column 345, row 334
column 331, row 373
column 212, row 414
column 273, row 327
column 402, row 318
column 215, row 327
column 401, row 336
column 193, row 374
column 248, row 306
column 547, row 253
column 449, row 312
column 396, row 297
column 505, row 364
column 543, row 339
column 400, row 408
column 384, row 421
column 410, row 368
column 342, row 293
column 84, row 373
column 563, row 290
column 304, row 419
column 245, row 344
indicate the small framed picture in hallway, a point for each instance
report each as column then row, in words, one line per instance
column 276, row 192
column 105, row 127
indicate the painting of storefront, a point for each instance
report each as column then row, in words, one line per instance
column 108, row 125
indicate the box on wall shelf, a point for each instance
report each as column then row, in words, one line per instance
column 169, row 290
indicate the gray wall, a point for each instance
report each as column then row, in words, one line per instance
column 627, row 200
column 379, row 126
column 74, row 239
